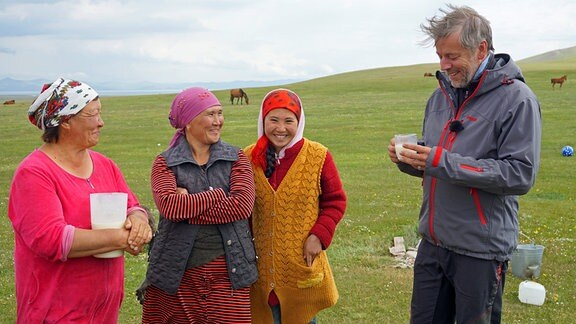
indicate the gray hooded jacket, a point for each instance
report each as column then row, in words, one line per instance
column 479, row 164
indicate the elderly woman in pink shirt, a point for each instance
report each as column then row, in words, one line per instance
column 58, row 279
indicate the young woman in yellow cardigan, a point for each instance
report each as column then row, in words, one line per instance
column 299, row 202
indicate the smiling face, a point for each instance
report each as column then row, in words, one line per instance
column 84, row 128
column 280, row 126
column 458, row 62
column 205, row 128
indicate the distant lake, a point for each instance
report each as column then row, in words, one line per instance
column 23, row 95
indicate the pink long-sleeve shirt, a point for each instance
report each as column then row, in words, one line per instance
column 46, row 203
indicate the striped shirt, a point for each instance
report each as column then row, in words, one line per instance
column 207, row 207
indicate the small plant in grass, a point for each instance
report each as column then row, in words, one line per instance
column 411, row 235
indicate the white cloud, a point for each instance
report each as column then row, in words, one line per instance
column 217, row 41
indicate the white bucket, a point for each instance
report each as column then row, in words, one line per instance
column 530, row 292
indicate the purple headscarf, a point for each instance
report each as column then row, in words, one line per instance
column 186, row 106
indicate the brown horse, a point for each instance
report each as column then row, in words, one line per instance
column 428, row 74
column 240, row 95
column 558, row 80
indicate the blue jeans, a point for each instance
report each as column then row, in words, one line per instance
column 278, row 318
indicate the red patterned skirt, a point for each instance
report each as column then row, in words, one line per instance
column 205, row 295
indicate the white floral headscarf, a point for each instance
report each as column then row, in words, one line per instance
column 59, row 101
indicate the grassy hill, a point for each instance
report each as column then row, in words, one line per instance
column 564, row 55
column 354, row 114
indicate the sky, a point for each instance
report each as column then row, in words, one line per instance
column 252, row 40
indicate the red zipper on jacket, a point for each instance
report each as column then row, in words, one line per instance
column 471, row 168
column 474, row 193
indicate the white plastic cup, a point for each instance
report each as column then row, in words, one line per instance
column 402, row 139
column 108, row 210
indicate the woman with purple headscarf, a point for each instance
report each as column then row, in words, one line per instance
column 58, row 279
column 202, row 260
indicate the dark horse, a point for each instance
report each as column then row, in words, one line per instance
column 240, row 95
column 558, row 80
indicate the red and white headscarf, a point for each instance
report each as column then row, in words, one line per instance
column 277, row 99
column 59, row 101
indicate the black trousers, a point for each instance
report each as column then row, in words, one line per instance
column 451, row 287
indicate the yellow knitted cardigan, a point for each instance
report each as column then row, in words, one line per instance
column 281, row 221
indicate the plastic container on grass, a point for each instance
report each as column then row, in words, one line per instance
column 530, row 292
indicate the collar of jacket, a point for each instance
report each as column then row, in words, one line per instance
column 459, row 95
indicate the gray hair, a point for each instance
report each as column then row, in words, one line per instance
column 474, row 28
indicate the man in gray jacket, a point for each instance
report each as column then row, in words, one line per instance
column 480, row 150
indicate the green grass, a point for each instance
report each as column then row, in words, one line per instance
column 355, row 115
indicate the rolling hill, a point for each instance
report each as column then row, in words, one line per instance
column 565, row 54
